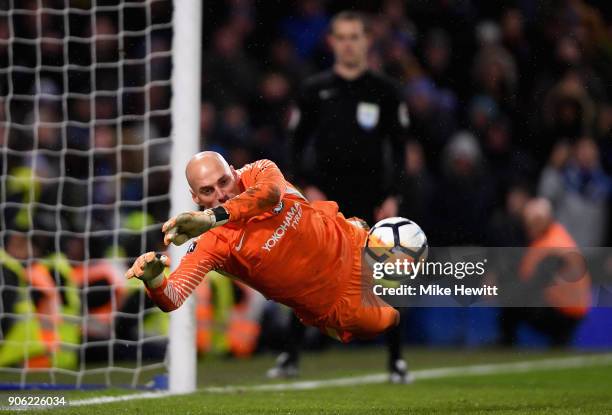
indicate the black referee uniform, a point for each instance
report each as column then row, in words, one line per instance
column 346, row 124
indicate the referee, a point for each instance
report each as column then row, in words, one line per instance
column 347, row 116
column 346, row 123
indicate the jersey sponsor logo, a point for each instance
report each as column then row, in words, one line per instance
column 367, row 115
column 278, row 208
column 291, row 220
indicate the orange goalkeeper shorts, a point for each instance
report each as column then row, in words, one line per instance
column 358, row 312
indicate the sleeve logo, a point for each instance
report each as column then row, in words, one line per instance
column 278, row 209
column 192, row 247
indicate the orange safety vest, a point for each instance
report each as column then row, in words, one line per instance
column 58, row 312
column 91, row 273
column 572, row 298
column 241, row 331
column 204, row 317
column 48, row 312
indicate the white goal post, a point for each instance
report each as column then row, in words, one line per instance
column 186, row 80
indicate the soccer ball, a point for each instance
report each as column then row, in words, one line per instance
column 395, row 239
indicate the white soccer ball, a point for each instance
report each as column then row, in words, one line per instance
column 395, row 239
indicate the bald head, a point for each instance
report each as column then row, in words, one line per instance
column 537, row 217
column 211, row 179
column 203, row 163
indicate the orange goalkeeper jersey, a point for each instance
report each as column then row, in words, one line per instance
column 294, row 252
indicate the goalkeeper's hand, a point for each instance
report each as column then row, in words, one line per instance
column 149, row 268
column 187, row 225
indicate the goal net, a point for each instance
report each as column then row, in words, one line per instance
column 85, row 125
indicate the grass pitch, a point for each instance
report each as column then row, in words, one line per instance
column 553, row 390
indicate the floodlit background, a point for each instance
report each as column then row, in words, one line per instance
column 507, row 101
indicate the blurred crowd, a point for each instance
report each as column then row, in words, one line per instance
column 85, row 122
column 85, row 138
column 505, row 98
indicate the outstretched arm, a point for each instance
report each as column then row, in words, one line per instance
column 264, row 187
column 174, row 290
column 170, row 293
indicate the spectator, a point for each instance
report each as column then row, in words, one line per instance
column 568, row 110
column 229, row 75
column 270, row 117
column 419, row 188
column 540, row 75
column 506, row 227
column 208, row 126
column 464, row 182
column 236, row 130
column 495, row 74
column 306, row 29
column 508, row 162
column 432, row 116
column 560, row 300
column 579, row 191
column 284, row 60
column 437, row 55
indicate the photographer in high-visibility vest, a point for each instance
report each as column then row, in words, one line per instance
column 21, row 333
column 228, row 315
column 102, row 286
column 553, row 272
column 58, row 305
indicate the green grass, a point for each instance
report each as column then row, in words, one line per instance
column 586, row 390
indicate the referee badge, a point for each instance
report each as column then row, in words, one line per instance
column 367, row 115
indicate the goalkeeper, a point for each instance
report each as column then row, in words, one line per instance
column 258, row 228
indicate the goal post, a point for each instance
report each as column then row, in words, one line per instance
column 99, row 114
column 186, row 79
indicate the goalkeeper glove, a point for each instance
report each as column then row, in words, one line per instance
column 149, row 268
column 187, row 225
